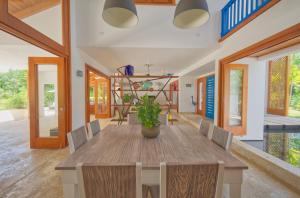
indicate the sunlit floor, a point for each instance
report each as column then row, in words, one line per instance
column 30, row 173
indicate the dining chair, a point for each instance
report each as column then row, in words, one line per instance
column 222, row 138
column 94, row 127
column 133, row 119
column 77, row 138
column 110, row 181
column 191, row 180
column 205, row 128
column 163, row 119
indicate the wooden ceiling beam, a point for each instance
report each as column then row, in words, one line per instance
column 33, row 8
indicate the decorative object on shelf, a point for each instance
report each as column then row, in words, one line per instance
column 147, row 85
column 148, row 68
column 129, row 70
column 127, row 98
column 136, row 85
column 120, row 14
column 191, row 13
column 148, row 114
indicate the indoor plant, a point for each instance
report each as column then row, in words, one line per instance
column 148, row 114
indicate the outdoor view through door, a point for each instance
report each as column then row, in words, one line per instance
column 47, row 102
column 235, row 111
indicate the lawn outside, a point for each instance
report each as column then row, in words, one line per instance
column 294, row 113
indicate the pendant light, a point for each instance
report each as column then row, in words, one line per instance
column 191, row 13
column 120, row 13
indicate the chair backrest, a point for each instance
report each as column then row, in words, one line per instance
column 191, row 181
column 205, row 128
column 77, row 138
column 222, row 138
column 163, row 119
column 94, row 127
column 133, row 119
column 110, row 181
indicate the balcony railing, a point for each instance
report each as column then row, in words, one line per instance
column 237, row 11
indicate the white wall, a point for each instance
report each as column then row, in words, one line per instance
column 185, row 93
column 79, row 58
column 256, row 98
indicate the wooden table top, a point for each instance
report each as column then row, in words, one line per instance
column 125, row 144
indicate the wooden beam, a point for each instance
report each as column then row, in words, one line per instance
column 35, row 8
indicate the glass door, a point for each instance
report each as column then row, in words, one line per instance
column 236, row 88
column 201, row 96
column 102, row 105
column 47, row 102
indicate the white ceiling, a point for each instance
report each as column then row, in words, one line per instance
column 164, row 60
column 155, row 38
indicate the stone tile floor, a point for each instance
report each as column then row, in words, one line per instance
column 30, row 173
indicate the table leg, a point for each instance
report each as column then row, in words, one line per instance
column 70, row 191
column 235, row 190
column 234, row 177
column 70, row 184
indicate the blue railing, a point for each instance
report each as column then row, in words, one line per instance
column 236, row 11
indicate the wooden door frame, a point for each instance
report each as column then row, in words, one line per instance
column 236, row 130
column 89, row 68
column 284, row 112
column 37, row 142
column 276, row 39
column 23, row 31
column 203, row 80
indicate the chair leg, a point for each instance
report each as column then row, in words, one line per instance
column 145, row 191
column 154, row 190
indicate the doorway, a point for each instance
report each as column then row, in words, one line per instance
column 201, row 96
column 235, row 100
column 98, row 97
column 47, row 102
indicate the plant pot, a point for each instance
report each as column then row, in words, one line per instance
column 150, row 133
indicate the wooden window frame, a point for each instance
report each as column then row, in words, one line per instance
column 89, row 68
column 23, row 31
column 276, row 39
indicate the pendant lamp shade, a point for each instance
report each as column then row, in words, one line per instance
column 120, row 13
column 191, row 13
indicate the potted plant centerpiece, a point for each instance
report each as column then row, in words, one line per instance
column 148, row 114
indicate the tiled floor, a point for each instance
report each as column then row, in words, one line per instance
column 30, row 173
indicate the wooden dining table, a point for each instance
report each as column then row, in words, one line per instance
column 180, row 143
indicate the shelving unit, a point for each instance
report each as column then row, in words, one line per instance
column 122, row 84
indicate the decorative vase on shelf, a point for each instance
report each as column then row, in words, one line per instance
column 129, row 70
